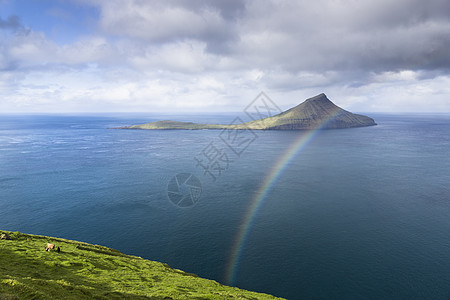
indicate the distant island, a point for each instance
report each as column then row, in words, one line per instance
column 313, row 113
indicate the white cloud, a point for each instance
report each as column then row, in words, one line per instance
column 184, row 57
column 202, row 55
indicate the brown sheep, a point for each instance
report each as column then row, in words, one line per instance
column 50, row 247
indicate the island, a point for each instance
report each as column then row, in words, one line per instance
column 314, row 113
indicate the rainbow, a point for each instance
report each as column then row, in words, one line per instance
column 260, row 196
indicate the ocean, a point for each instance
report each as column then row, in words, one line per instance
column 360, row 213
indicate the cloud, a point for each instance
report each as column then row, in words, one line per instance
column 33, row 50
column 328, row 35
column 293, row 36
column 172, row 21
column 12, row 22
column 208, row 55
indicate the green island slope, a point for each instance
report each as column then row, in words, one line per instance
column 85, row 271
column 313, row 113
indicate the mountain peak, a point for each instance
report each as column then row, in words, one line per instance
column 320, row 97
column 314, row 105
column 318, row 112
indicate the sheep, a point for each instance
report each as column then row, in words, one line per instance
column 50, row 247
column 5, row 237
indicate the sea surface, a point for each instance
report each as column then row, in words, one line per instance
column 359, row 213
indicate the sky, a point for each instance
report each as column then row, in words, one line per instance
column 198, row 56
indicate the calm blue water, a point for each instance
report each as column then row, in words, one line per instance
column 360, row 213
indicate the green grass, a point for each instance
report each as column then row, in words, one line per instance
column 85, row 271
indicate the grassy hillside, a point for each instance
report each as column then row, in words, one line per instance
column 84, row 271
